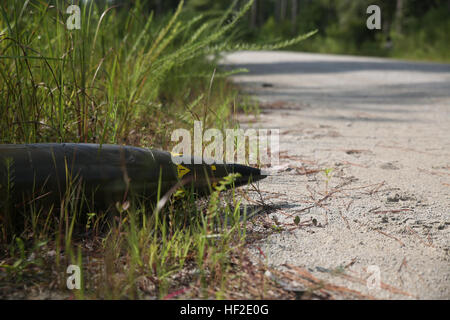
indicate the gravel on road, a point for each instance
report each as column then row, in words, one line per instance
column 364, row 177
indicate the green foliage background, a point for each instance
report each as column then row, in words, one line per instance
column 411, row 29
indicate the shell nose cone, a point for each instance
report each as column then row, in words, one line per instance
column 248, row 173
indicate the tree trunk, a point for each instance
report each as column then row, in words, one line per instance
column 294, row 15
column 283, row 9
column 254, row 15
column 399, row 16
column 278, row 10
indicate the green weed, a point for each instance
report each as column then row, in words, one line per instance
column 126, row 77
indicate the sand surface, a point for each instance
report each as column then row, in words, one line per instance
column 382, row 128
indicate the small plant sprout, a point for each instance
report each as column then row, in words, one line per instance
column 328, row 174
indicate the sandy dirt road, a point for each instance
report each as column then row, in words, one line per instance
column 381, row 128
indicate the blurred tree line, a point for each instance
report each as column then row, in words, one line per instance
column 415, row 29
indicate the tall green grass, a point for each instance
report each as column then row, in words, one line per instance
column 124, row 77
column 104, row 83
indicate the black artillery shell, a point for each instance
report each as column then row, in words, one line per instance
column 107, row 172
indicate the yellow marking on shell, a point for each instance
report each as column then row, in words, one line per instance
column 182, row 171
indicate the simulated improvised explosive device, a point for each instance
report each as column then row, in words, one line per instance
column 107, row 173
